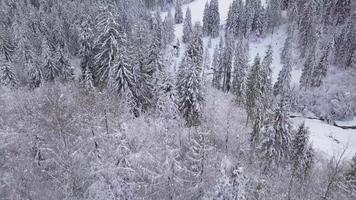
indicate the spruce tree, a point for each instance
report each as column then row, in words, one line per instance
column 302, row 158
column 282, row 86
column 178, row 16
column 86, row 47
column 217, row 64
column 66, row 70
column 50, row 70
column 168, row 29
column 273, row 13
column 240, row 72
column 287, row 47
column 275, row 149
column 266, row 85
column 320, row 70
column 107, row 44
column 190, row 98
column 187, row 27
column 307, row 28
column 308, row 70
column 7, row 74
column 214, row 18
column 254, row 93
column 299, row 153
column 227, row 62
column 206, row 22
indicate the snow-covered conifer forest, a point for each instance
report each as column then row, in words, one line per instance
column 177, row 99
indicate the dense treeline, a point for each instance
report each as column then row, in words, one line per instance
column 93, row 107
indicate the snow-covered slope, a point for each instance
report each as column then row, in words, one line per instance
column 328, row 139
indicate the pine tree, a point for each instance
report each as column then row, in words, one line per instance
column 206, row 22
column 307, row 28
column 66, row 70
column 196, row 158
column 308, row 70
column 302, row 158
column 320, row 71
column 227, row 62
column 168, row 29
column 254, row 93
column 234, row 21
column 217, row 66
column 158, row 30
column 178, row 16
column 287, row 47
column 86, row 47
column 266, row 85
column 190, row 98
column 214, row 18
column 107, row 45
column 35, row 75
column 275, row 149
column 299, row 153
column 187, row 27
column 240, row 72
column 273, row 13
column 282, row 86
column 121, row 78
column 50, row 70
column 7, row 75
column 257, row 25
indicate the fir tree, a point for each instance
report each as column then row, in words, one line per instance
column 49, row 68
column 111, row 38
column 240, row 72
column 168, row 29
column 266, row 85
column 273, row 13
column 282, row 86
column 178, row 16
column 254, row 93
column 307, row 28
column 196, row 158
column 206, row 22
column 320, row 71
column 7, row 75
column 214, row 18
column 158, row 30
column 217, row 66
column 299, row 153
column 287, row 47
column 190, row 98
column 85, row 51
column 275, row 149
column 227, row 62
column 308, row 69
column 302, row 158
column 187, row 27
column 66, row 70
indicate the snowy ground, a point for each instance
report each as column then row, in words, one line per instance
column 328, row 140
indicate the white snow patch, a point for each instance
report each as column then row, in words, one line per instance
column 328, row 139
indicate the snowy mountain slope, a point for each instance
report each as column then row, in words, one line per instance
column 324, row 137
